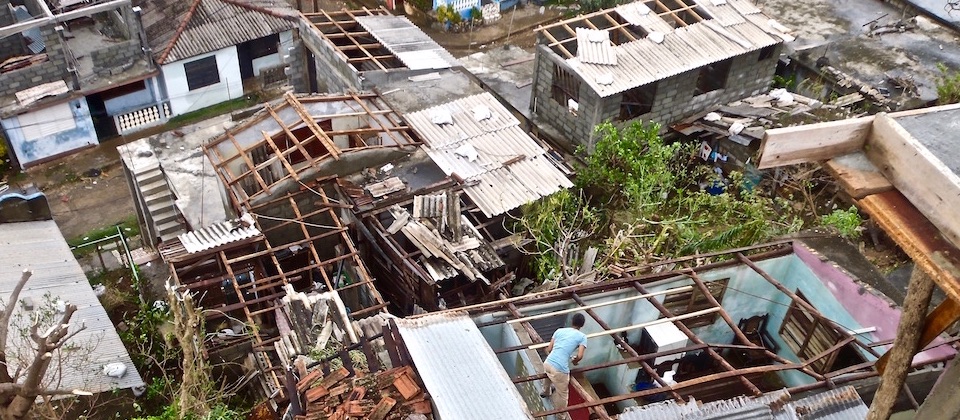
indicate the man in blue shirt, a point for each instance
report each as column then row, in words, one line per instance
column 564, row 343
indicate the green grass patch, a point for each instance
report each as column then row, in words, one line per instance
column 129, row 226
column 215, row 110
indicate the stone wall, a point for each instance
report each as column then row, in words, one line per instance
column 52, row 69
column 116, row 57
column 554, row 117
column 334, row 74
column 674, row 98
column 13, row 45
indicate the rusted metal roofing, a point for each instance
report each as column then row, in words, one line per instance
column 218, row 234
column 57, row 275
column 459, row 369
column 480, row 141
column 407, row 42
column 594, row 47
column 730, row 28
column 178, row 29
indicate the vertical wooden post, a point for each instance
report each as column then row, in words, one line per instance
column 896, row 362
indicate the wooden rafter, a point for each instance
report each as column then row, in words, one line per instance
column 317, row 131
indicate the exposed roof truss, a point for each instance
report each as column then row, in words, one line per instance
column 284, row 142
column 361, row 49
column 562, row 36
column 304, row 246
column 725, row 375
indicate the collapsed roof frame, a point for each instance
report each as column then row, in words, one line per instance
column 356, row 44
column 255, row 179
column 235, row 259
column 619, row 28
column 309, row 223
column 404, row 255
column 512, row 307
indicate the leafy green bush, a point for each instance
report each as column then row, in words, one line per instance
column 557, row 222
column 948, row 85
column 649, row 193
column 845, row 222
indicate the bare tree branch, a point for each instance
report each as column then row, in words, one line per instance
column 5, row 322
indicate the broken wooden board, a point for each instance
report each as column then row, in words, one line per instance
column 857, row 175
column 814, row 142
column 919, row 238
column 918, row 174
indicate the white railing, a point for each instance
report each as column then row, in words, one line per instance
column 142, row 118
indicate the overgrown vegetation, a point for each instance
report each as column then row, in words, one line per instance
column 847, row 223
column 643, row 200
column 948, row 85
column 129, row 226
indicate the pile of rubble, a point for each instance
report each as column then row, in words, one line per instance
column 390, row 394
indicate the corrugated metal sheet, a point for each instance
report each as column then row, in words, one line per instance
column 463, row 376
column 217, row 234
column 36, row 44
column 40, row 246
column 638, row 14
column 594, row 47
column 726, row 16
column 478, row 150
column 738, row 28
column 837, row 404
column 405, row 40
column 213, row 25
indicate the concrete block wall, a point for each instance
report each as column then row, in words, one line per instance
column 334, row 74
column 54, row 68
column 674, row 99
column 13, row 45
column 297, row 63
column 575, row 129
column 115, row 57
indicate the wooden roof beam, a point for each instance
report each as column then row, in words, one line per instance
column 317, row 131
column 696, row 340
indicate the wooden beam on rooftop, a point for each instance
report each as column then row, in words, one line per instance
column 317, row 131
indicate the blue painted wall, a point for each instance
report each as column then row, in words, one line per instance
column 748, row 294
column 29, row 151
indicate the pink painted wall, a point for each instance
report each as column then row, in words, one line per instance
column 865, row 307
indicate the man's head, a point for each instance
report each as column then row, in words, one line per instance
column 577, row 321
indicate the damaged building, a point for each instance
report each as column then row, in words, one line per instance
column 901, row 170
column 327, row 186
column 72, row 78
column 354, row 49
column 650, row 61
column 276, row 168
column 771, row 318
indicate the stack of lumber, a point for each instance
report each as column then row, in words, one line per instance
column 391, row 394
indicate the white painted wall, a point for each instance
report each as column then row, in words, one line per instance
column 183, row 100
column 273, row 60
column 56, row 137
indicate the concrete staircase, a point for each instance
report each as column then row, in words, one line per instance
column 163, row 216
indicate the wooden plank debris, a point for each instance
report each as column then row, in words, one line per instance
column 857, row 175
column 810, row 143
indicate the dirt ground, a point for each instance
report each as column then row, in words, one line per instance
column 86, row 191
